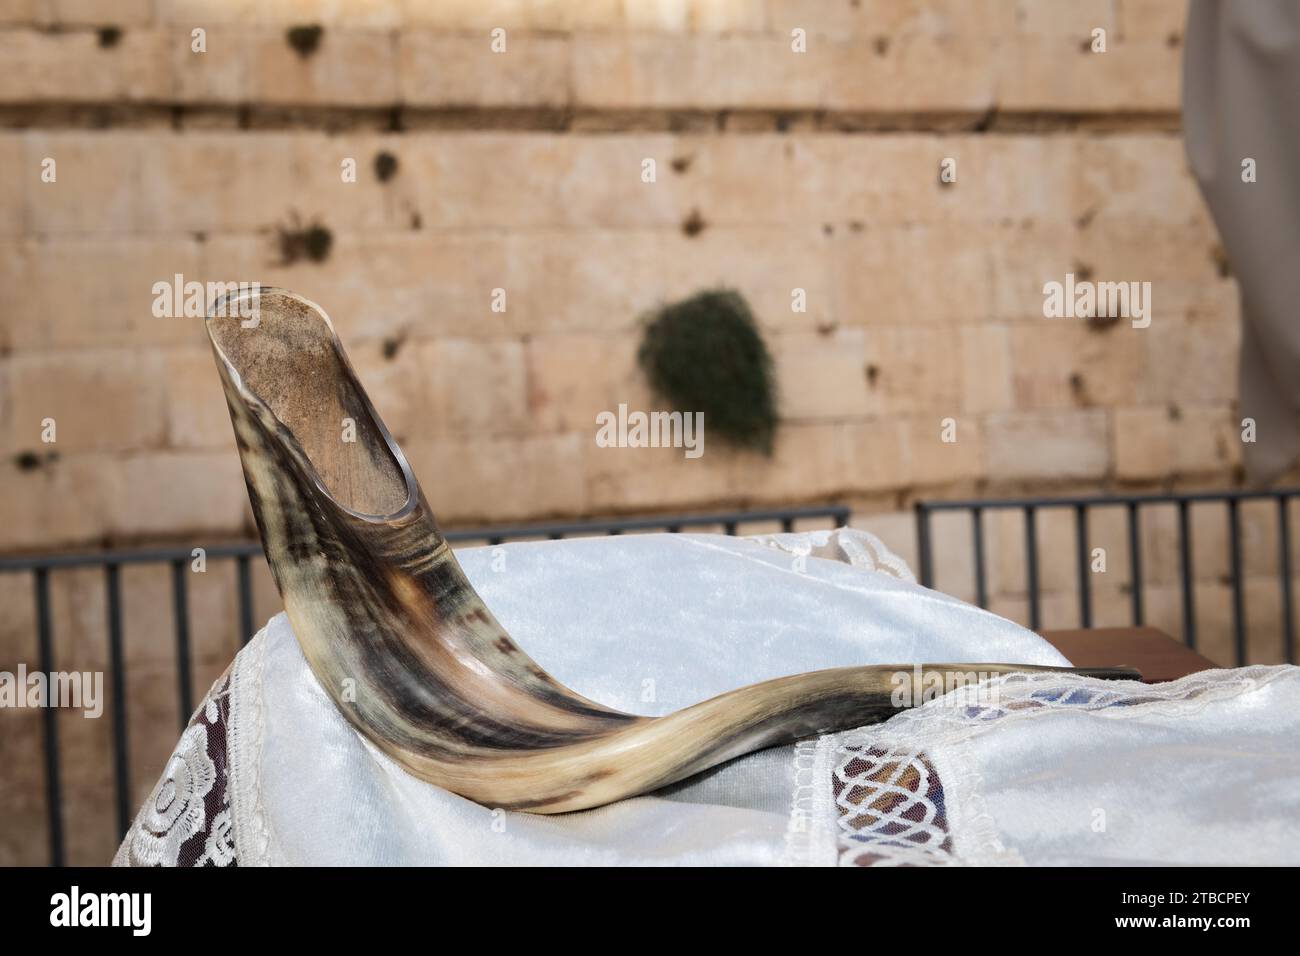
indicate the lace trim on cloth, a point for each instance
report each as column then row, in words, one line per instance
column 187, row 819
column 851, row 546
column 890, row 807
column 252, row 830
column 903, row 793
column 809, row 841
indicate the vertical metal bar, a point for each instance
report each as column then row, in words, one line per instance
column 1081, row 548
column 181, row 614
column 787, row 525
column 245, row 600
column 923, row 557
column 1185, row 574
column 49, row 718
column 977, row 542
column 1238, row 595
column 1135, row 563
column 1284, row 568
column 117, row 660
column 1031, row 566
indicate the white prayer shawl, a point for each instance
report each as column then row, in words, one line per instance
column 1031, row 769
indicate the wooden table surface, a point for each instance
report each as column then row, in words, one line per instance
column 1157, row 655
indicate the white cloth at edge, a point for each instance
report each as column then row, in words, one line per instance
column 653, row 623
column 1050, row 769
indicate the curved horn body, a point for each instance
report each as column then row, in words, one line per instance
column 404, row 645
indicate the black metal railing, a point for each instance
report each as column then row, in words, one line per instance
column 41, row 566
column 1133, row 504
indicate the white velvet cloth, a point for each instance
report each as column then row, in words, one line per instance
column 653, row 623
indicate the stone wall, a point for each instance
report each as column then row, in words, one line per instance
column 522, row 171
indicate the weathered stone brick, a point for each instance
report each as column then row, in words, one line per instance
column 574, row 377
column 1076, row 20
column 475, row 388
column 868, row 180
column 13, row 187
column 1189, row 362
column 1142, row 443
column 731, row 180
column 111, row 303
column 766, row 265
column 483, row 180
column 823, row 376
column 197, row 416
column 76, row 66
column 647, row 479
column 1064, row 74
column 221, row 72
column 321, row 194
column 898, row 75
column 1046, row 445
column 1024, row 258
column 485, row 480
column 93, row 14
column 436, row 69
column 912, row 369
column 196, row 492
column 1155, row 443
column 596, row 180
column 809, row 462
column 1162, row 20
column 1135, row 178
column 1065, row 363
column 211, row 182
column 58, row 504
column 878, row 456
column 728, row 16
column 698, row 71
column 1005, row 180
column 348, row 68
column 986, row 367
column 23, row 12
column 935, row 462
column 97, row 189
column 477, row 15
column 887, row 18
column 109, row 399
column 1178, row 260
column 910, row 275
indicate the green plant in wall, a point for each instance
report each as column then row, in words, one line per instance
column 706, row 354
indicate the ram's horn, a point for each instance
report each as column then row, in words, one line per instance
column 406, row 648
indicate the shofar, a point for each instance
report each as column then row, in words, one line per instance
column 405, row 647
